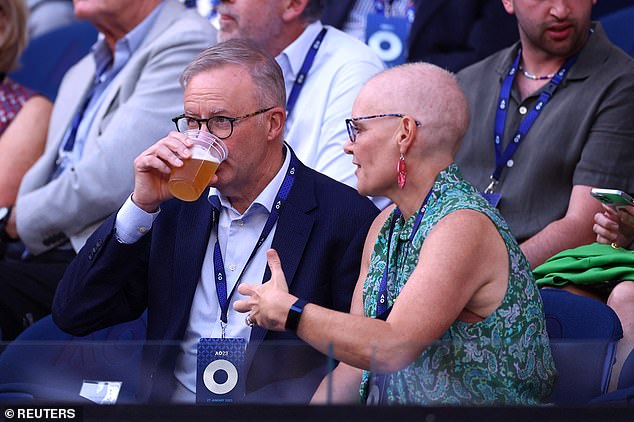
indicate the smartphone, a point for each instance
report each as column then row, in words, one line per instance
column 615, row 198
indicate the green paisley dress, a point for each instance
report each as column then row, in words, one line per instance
column 503, row 359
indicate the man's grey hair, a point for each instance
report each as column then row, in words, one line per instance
column 264, row 70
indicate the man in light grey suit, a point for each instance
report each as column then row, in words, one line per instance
column 112, row 105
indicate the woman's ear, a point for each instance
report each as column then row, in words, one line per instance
column 406, row 133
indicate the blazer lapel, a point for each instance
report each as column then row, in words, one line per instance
column 291, row 236
column 68, row 105
column 194, row 224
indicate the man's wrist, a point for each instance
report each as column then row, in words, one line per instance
column 150, row 209
column 295, row 314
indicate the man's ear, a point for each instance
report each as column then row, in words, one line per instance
column 293, row 9
column 275, row 122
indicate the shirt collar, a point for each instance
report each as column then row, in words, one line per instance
column 296, row 52
column 591, row 56
column 265, row 199
column 124, row 48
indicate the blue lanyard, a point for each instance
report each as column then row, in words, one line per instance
column 219, row 266
column 410, row 13
column 382, row 310
column 213, row 11
column 502, row 158
column 301, row 76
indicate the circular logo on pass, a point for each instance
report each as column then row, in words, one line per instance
column 220, row 376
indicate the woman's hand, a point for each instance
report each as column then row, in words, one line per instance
column 269, row 303
column 613, row 226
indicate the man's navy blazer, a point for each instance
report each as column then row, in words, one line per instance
column 319, row 237
column 451, row 34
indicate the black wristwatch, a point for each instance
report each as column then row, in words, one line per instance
column 294, row 314
column 5, row 212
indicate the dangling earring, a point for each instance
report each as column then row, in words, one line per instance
column 401, row 169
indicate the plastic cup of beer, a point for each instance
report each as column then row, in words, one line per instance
column 190, row 180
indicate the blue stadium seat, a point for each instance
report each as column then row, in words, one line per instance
column 583, row 337
column 626, row 379
column 47, row 57
column 619, row 27
column 46, row 364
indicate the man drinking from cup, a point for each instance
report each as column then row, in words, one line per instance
column 183, row 260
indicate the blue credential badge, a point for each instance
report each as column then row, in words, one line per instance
column 220, row 370
column 387, row 36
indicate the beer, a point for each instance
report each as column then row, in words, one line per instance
column 189, row 181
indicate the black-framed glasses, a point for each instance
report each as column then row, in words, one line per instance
column 221, row 126
column 353, row 131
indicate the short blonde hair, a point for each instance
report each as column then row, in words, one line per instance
column 14, row 38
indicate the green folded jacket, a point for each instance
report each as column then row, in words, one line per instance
column 595, row 263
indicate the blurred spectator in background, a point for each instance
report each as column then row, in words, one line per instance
column 323, row 68
column 24, row 114
column 552, row 119
column 46, row 15
column 111, row 106
column 449, row 33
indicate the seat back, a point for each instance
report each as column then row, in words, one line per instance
column 48, row 364
column 618, row 27
column 626, row 378
column 583, row 336
column 46, row 58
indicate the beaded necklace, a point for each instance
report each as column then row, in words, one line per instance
column 536, row 77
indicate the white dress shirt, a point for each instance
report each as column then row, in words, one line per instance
column 204, row 319
column 316, row 129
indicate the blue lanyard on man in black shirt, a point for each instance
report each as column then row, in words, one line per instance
column 504, row 158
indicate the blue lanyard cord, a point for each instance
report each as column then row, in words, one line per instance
column 303, row 73
column 381, row 9
column 502, row 158
column 219, row 267
column 213, row 11
column 382, row 310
